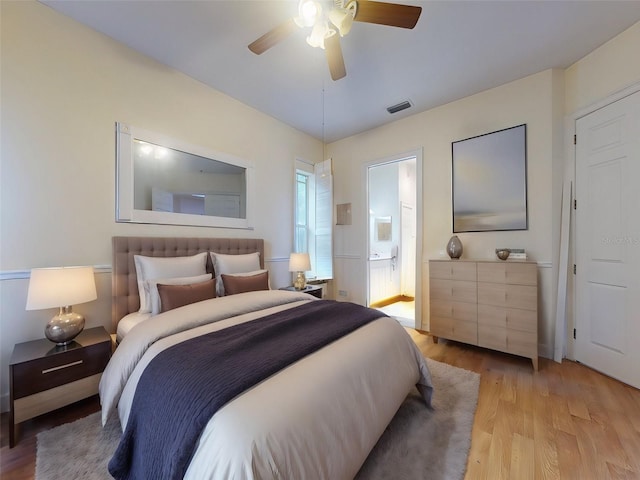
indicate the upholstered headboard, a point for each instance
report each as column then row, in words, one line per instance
column 123, row 277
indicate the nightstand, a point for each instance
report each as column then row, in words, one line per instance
column 315, row 290
column 43, row 377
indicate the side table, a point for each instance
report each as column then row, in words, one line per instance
column 315, row 290
column 44, row 377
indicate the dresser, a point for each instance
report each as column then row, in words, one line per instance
column 492, row 304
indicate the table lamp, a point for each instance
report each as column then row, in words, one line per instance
column 300, row 263
column 61, row 287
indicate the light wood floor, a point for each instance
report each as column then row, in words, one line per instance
column 564, row 422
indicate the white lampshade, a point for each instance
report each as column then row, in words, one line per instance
column 59, row 287
column 299, row 262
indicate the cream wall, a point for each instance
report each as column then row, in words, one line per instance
column 63, row 88
column 606, row 70
column 532, row 100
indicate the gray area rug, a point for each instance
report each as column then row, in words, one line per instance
column 419, row 443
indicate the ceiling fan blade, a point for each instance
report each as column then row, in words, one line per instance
column 392, row 14
column 334, row 57
column 269, row 39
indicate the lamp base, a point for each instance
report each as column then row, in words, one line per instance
column 64, row 327
column 300, row 282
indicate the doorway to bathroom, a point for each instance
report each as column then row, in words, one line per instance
column 393, row 239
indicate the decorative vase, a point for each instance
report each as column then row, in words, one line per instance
column 454, row 247
column 502, row 253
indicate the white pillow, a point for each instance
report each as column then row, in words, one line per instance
column 151, row 288
column 148, row 268
column 233, row 264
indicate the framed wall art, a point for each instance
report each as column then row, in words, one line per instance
column 489, row 181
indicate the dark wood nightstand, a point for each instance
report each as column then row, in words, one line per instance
column 315, row 290
column 43, row 377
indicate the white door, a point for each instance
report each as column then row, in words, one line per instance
column 408, row 250
column 608, row 240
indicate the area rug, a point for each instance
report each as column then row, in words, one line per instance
column 419, row 443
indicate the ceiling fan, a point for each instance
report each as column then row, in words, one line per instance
column 328, row 18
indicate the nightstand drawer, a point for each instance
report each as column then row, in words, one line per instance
column 48, row 372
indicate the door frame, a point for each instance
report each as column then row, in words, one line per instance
column 417, row 154
column 569, row 319
column 404, row 205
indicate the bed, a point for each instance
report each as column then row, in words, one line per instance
column 318, row 417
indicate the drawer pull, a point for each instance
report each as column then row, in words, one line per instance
column 72, row 364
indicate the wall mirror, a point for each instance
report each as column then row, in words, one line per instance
column 162, row 180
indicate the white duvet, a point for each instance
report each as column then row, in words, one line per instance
column 317, row 419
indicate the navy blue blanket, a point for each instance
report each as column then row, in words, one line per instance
column 186, row 384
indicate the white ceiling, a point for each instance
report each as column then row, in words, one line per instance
column 458, row 48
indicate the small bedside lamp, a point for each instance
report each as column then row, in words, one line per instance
column 299, row 262
column 61, row 287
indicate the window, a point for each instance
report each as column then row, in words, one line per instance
column 313, row 216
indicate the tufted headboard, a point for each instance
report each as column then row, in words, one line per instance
column 125, row 297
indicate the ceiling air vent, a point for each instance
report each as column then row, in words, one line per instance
column 399, row 107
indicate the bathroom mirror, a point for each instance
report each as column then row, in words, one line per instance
column 162, row 180
column 383, row 229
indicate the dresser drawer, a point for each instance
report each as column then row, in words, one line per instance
column 522, row 343
column 455, row 310
column 441, row 326
column 48, row 372
column 514, row 296
column 459, row 330
column 466, row 332
column 511, row 273
column 522, row 320
column 512, row 318
column 506, row 340
column 492, row 316
column 454, row 290
column 492, row 337
column 453, row 270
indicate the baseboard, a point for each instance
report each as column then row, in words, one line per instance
column 545, row 351
column 390, row 300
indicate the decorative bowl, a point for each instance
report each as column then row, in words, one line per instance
column 502, row 253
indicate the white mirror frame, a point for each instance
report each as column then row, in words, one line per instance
column 125, row 211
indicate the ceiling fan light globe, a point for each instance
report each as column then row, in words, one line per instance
column 318, row 34
column 342, row 19
column 309, row 11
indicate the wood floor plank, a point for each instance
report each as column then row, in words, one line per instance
column 561, row 417
column 479, row 455
column 617, row 473
column 570, row 466
column 522, row 458
column 629, row 439
column 589, row 438
column 498, row 459
column 546, row 452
